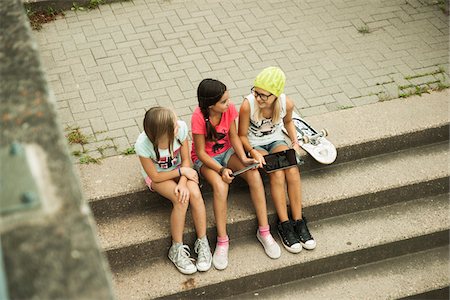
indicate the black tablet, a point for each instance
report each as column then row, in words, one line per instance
column 280, row 160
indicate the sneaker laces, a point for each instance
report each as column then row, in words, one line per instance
column 201, row 247
column 268, row 240
column 221, row 250
column 305, row 235
column 182, row 256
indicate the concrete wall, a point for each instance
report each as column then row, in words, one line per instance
column 48, row 240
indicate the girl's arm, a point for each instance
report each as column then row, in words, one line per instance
column 289, row 124
column 155, row 176
column 186, row 169
column 244, row 123
column 237, row 145
column 199, row 143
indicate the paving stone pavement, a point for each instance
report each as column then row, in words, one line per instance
column 108, row 65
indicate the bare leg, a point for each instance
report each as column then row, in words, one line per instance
column 256, row 187
column 220, row 194
column 294, row 192
column 178, row 215
column 198, row 208
column 278, row 189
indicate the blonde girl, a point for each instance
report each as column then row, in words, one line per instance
column 164, row 155
column 261, row 118
column 217, row 152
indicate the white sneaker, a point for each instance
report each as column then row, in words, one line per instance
column 204, row 257
column 179, row 255
column 220, row 257
column 270, row 245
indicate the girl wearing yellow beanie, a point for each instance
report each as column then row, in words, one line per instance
column 262, row 116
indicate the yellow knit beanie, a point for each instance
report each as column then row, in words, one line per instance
column 271, row 79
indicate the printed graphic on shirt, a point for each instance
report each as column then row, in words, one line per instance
column 262, row 128
column 167, row 162
column 219, row 146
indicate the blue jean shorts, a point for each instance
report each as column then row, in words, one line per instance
column 221, row 158
column 269, row 147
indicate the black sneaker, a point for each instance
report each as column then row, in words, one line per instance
column 288, row 237
column 306, row 239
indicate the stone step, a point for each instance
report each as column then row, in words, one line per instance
column 343, row 242
column 116, row 186
column 424, row 274
column 336, row 190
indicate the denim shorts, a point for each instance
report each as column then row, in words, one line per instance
column 221, row 158
column 269, row 147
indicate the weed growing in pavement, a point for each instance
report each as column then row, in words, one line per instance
column 78, row 153
column 364, row 29
column 92, row 4
column 383, row 96
column 38, row 16
column 342, row 107
column 129, row 151
column 443, row 6
column 75, row 136
column 418, row 89
column 86, row 159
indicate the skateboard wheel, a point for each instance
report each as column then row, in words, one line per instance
column 324, row 132
column 305, row 139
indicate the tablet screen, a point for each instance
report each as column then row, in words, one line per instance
column 280, row 160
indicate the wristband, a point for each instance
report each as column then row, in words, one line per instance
column 249, row 151
column 179, row 171
column 221, row 171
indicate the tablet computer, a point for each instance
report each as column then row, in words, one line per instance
column 280, row 160
column 236, row 173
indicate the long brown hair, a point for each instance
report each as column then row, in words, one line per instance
column 209, row 92
column 160, row 122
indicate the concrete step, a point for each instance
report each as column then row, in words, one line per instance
column 424, row 274
column 116, row 187
column 343, row 242
column 333, row 191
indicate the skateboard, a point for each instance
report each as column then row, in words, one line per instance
column 313, row 141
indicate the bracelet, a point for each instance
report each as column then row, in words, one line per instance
column 179, row 171
column 221, row 171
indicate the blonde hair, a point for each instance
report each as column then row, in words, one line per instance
column 160, row 122
column 276, row 112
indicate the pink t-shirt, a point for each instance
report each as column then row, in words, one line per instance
column 223, row 128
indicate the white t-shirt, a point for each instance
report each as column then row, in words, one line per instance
column 265, row 131
column 166, row 162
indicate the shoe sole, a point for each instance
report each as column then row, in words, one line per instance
column 183, row 271
column 220, row 268
column 205, row 269
column 274, row 257
column 295, row 251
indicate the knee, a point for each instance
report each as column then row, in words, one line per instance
column 292, row 174
column 253, row 177
column 277, row 177
column 220, row 188
column 195, row 197
column 180, row 206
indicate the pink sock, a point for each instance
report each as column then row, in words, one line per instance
column 264, row 230
column 222, row 241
